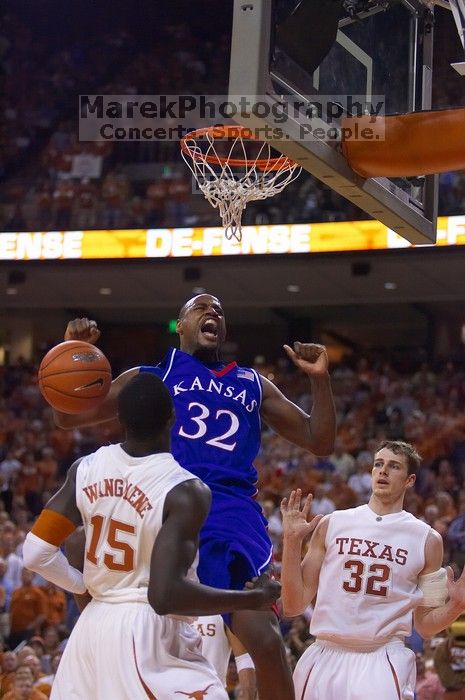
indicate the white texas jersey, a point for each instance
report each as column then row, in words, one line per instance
column 368, row 582
column 121, row 500
column 215, row 644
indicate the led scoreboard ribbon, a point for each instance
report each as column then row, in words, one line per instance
column 204, row 242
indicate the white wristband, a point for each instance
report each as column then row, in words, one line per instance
column 244, row 661
column 434, row 588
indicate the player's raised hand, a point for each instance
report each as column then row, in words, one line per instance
column 269, row 589
column 311, row 358
column 295, row 516
column 82, row 329
column 456, row 589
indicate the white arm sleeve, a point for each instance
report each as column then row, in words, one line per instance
column 434, row 588
column 48, row 561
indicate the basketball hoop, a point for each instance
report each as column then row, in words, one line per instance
column 246, row 170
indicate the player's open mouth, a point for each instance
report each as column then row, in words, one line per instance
column 209, row 329
column 383, row 482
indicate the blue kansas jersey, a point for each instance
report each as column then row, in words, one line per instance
column 217, row 430
column 216, row 437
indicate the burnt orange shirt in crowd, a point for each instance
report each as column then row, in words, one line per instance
column 6, row 682
column 62, row 442
column 35, row 695
column 56, row 601
column 48, row 469
column 27, row 602
column 29, row 479
column 44, row 688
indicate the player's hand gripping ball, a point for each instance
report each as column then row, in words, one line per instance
column 74, row 376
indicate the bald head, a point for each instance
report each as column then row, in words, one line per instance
column 190, row 303
column 201, row 327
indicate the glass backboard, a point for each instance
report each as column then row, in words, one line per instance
column 304, row 65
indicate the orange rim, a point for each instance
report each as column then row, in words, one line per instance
column 220, row 132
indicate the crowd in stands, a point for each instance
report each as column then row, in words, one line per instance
column 374, row 401
column 53, row 180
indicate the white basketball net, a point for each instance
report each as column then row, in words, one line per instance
column 230, row 179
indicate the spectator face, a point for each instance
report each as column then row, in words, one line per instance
column 431, row 513
column 21, row 517
column 444, row 468
column 25, row 651
column 38, row 649
column 268, row 509
column 9, row 662
column 444, row 502
column 34, row 664
column 22, row 689
column 24, row 673
column 51, row 638
column 8, row 542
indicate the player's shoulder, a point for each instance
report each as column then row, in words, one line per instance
column 87, row 462
column 339, row 520
column 176, row 363
column 434, row 551
column 348, row 513
column 419, row 524
column 189, row 495
column 434, row 539
column 158, row 370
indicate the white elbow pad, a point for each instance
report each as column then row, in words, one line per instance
column 243, row 661
column 48, row 561
column 434, row 588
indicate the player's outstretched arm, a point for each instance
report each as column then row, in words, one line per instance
column 444, row 598
column 86, row 330
column 41, row 549
column 170, row 592
column 315, row 432
column 299, row 579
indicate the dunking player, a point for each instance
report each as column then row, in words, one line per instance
column 370, row 567
column 142, row 513
column 217, row 437
column 217, row 644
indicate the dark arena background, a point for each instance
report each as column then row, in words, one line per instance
column 114, row 228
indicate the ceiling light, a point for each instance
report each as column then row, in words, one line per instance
column 105, row 291
column 11, row 291
column 293, row 288
column 198, row 290
column 390, row 285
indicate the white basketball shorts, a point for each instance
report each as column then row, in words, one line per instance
column 125, row 651
column 327, row 671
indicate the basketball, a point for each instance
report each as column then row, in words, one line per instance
column 74, row 376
